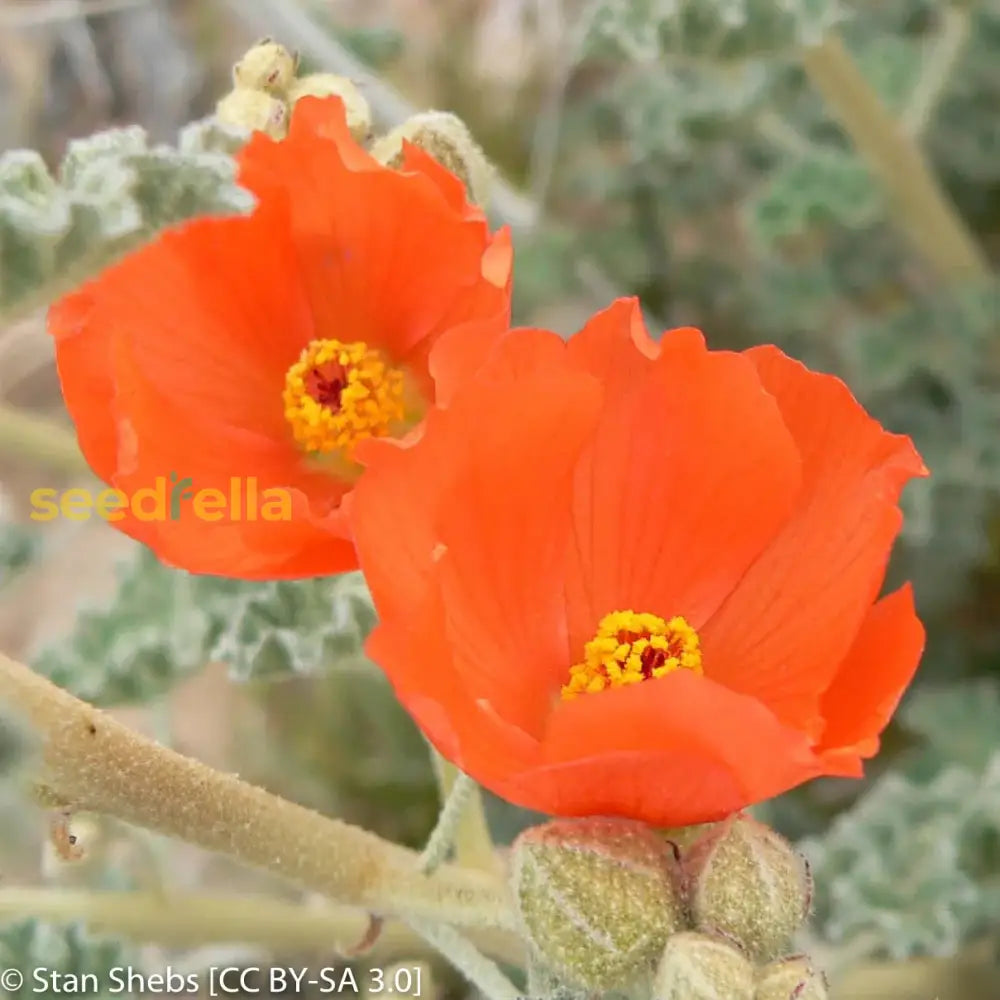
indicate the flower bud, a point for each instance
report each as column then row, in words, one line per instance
column 597, row 898
column 445, row 137
column 268, row 66
column 255, row 111
column 747, row 883
column 698, row 966
column 791, row 979
column 359, row 116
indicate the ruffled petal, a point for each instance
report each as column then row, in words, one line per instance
column 244, row 535
column 615, row 346
column 674, row 751
column 859, row 703
column 500, row 564
column 383, row 253
column 690, row 474
column 790, row 622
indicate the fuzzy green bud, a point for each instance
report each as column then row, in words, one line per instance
column 254, row 111
column 698, row 966
column 791, row 979
column 359, row 115
column 597, row 899
column 445, row 137
column 268, row 66
column 747, row 883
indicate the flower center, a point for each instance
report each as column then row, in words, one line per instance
column 629, row 648
column 336, row 394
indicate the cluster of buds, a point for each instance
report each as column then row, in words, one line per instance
column 610, row 904
column 266, row 87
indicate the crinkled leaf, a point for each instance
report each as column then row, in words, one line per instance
column 164, row 623
column 818, row 191
column 58, row 952
column 912, row 869
column 113, row 192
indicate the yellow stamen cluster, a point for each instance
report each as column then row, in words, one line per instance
column 337, row 394
column 629, row 648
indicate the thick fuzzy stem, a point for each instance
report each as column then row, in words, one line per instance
column 922, row 207
column 90, row 762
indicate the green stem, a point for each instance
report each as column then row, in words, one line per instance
column 184, row 920
column 922, row 208
column 442, row 837
column 471, row 833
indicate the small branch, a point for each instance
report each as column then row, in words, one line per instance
column 472, row 963
column 42, row 440
column 183, row 920
column 923, row 209
column 468, row 830
column 93, row 763
column 944, row 53
column 442, row 838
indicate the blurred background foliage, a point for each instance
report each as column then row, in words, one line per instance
column 675, row 150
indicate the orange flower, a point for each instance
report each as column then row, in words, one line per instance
column 264, row 348
column 627, row 578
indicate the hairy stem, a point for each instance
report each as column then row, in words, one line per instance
column 42, row 440
column 182, row 920
column 442, row 838
column 93, row 763
column 923, row 209
column 469, row 831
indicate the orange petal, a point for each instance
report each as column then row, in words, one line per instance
column 690, row 474
column 870, row 682
column 213, row 314
column 417, row 658
column 393, row 515
column 615, row 346
column 383, row 254
column 454, row 356
column 502, row 571
column 672, row 752
column 433, row 508
column 419, row 161
column 320, row 118
column 160, row 438
column 792, row 618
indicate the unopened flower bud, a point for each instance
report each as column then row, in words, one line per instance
column 748, row 883
column 791, row 979
column 268, row 66
column 254, row 111
column 359, row 115
column 445, row 137
column 698, row 966
column 597, row 898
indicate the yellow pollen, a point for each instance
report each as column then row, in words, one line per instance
column 629, row 648
column 336, row 394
